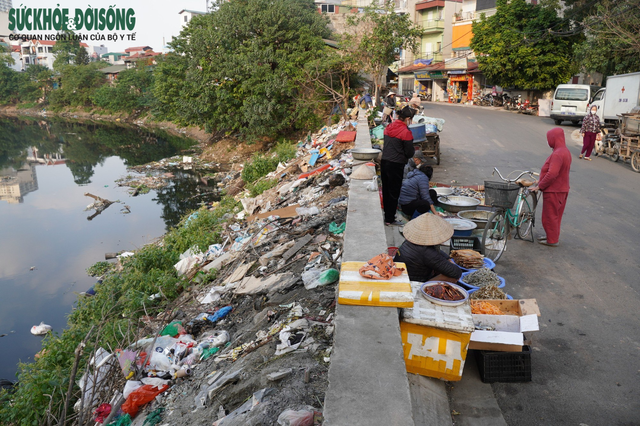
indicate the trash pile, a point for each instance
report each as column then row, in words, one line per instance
column 253, row 345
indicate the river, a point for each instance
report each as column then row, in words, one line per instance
column 46, row 241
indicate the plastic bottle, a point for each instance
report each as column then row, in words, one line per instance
column 316, row 277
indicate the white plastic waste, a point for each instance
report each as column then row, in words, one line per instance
column 307, row 211
column 41, row 329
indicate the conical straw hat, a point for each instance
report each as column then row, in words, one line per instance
column 363, row 172
column 428, row 230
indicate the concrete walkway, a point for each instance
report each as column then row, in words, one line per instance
column 367, row 378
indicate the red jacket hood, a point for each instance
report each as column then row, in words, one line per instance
column 398, row 129
column 555, row 138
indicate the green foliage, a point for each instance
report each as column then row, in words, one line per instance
column 119, row 301
column 82, row 56
column 259, row 187
column 98, row 269
column 131, row 91
column 612, row 43
column 245, row 73
column 374, row 39
column 65, row 50
column 10, row 84
column 77, row 85
column 261, row 165
column 516, row 48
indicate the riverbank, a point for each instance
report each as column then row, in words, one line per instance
column 145, row 292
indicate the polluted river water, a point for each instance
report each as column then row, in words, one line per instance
column 46, row 241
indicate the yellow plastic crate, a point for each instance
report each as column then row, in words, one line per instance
column 354, row 289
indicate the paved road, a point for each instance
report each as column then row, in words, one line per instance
column 586, row 359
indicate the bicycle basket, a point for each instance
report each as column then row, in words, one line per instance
column 500, row 194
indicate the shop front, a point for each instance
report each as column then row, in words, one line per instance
column 432, row 83
column 460, row 86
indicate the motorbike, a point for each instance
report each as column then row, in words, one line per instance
column 609, row 145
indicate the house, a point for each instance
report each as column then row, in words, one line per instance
column 114, row 58
column 138, row 49
column 187, row 15
column 112, row 72
column 96, row 52
column 148, row 58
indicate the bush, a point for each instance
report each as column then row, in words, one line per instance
column 261, row 165
column 259, row 187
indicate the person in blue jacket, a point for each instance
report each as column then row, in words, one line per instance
column 415, row 194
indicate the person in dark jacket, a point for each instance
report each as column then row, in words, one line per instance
column 397, row 149
column 425, row 262
column 589, row 131
column 415, row 193
column 554, row 184
column 413, row 163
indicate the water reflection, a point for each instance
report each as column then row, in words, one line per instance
column 15, row 184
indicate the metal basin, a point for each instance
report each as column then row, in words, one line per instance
column 365, row 154
column 457, row 203
column 443, row 191
column 479, row 217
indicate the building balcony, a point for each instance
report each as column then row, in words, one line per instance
column 472, row 16
column 432, row 26
column 434, row 56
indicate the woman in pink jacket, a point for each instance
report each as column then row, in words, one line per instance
column 554, row 184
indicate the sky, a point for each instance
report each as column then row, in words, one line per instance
column 154, row 20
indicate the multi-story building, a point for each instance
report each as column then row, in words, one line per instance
column 5, row 6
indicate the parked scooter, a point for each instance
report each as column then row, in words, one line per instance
column 609, row 145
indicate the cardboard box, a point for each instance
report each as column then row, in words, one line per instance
column 506, row 334
column 354, row 289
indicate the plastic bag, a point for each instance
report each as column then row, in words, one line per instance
column 129, row 387
column 173, row 329
column 373, row 185
column 296, row 418
column 304, row 211
column 319, row 278
column 122, row 421
column 336, row 229
column 141, row 396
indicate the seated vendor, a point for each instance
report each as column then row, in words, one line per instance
column 413, row 163
column 415, row 194
column 420, row 252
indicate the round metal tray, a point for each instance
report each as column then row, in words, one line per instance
column 444, row 302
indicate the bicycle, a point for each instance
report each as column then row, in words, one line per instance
column 503, row 197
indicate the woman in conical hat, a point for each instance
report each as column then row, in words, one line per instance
column 420, row 252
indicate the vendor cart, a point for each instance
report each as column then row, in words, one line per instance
column 430, row 147
column 629, row 132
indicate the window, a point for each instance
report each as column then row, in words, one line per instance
column 599, row 96
column 328, row 8
column 572, row 94
column 439, row 47
column 39, row 49
column 185, row 18
column 50, row 49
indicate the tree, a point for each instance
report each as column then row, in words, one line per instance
column 240, row 68
column 65, row 49
column 77, row 85
column 374, row 39
column 525, row 46
column 130, row 91
column 82, row 56
column 612, row 43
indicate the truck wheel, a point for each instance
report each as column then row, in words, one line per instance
column 574, row 122
column 557, row 122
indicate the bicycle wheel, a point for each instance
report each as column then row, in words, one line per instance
column 494, row 237
column 526, row 215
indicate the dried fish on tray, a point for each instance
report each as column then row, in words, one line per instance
column 490, row 291
column 481, row 278
column 444, row 293
column 467, row 258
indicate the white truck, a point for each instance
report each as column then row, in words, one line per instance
column 621, row 94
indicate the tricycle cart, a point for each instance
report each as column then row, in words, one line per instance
column 430, row 147
column 630, row 140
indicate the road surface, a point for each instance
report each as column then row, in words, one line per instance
column 586, row 356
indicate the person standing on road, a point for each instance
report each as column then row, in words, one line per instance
column 589, row 131
column 554, row 184
column 397, row 149
column 389, row 107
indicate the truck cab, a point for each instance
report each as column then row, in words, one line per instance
column 598, row 102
